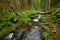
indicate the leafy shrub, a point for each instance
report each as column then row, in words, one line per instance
column 51, row 20
column 12, row 18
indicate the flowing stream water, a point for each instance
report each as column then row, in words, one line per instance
column 35, row 31
column 33, row 34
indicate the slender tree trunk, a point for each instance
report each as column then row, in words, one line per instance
column 17, row 5
column 26, row 4
column 46, row 5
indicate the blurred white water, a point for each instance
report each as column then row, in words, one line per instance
column 34, row 34
column 38, row 18
column 8, row 37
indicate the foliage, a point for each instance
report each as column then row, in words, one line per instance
column 51, row 19
column 39, row 5
column 36, row 4
column 10, row 19
column 45, row 35
column 55, row 16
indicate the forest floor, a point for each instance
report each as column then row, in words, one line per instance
column 56, row 36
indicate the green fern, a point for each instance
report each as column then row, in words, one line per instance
column 45, row 35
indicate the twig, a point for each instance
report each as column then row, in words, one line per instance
column 12, row 8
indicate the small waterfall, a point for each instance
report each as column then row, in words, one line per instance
column 37, row 19
column 8, row 37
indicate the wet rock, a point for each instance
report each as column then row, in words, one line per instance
column 17, row 34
